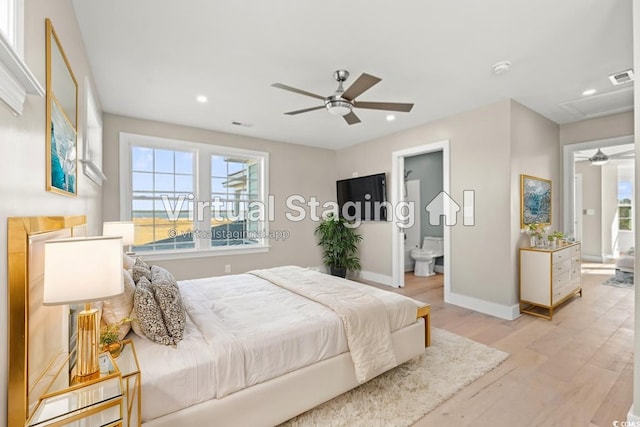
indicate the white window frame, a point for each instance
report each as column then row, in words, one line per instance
column 630, row 205
column 202, row 171
column 16, row 80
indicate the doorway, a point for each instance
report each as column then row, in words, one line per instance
column 397, row 196
column 598, row 217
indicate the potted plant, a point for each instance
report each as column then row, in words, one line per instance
column 109, row 339
column 339, row 244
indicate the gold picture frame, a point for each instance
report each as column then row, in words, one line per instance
column 535, row 201
column 62, row 118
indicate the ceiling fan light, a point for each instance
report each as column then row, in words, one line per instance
column 338, row 107
column 599, row 158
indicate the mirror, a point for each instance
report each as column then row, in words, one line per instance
column 62, row 117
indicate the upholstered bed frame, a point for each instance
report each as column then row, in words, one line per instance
column 38, row 339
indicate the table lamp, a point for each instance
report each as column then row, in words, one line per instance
column 82, row 270
column 120, row 228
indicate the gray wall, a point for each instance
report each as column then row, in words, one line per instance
column 22, row 147
column 599, row 128
column 293, row 169
column 490, row 148
column 428, row 169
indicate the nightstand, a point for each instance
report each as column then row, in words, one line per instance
column 112, row 399
column 98, row 402
column 127, row 363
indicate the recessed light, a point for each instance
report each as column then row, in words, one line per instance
column 589, row 92
column 201, row 99
column 390, row 117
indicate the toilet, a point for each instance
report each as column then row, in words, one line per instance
column 432, row 248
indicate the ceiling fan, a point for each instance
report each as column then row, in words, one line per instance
column 342, row 102
column 600, row 158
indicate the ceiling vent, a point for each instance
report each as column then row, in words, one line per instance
column 621, row 77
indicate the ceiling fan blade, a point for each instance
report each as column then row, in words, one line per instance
column 304, row 110
column 623, row 154
column 351, row 118
column 300, row 91
column 389, row 106
column 362, row 83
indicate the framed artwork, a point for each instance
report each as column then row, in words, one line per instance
column 62, row 117
column 535, row 201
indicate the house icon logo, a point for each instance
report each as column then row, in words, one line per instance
column 444, row 206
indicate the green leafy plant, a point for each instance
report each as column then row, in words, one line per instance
column 109, row 333
column 339, row 243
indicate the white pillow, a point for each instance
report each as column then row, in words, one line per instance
column 128, row 262
column 117, row 308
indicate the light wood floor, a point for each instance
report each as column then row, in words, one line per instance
column 575, row 370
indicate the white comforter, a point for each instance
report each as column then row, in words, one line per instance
column 242, row 330
column 363, row 315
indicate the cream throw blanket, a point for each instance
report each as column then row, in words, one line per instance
column 365, row 319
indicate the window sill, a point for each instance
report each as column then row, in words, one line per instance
column 173, row 255
column 16, row 80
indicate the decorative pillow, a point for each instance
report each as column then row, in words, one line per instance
column 140, row 269
column 167, row 294
column 148, row 321
column 117, row 308
column 139, row 272
column 128, row 262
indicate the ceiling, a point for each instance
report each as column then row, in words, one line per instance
column 151, row 58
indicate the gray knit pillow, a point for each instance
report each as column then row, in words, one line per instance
column 167, row 294
column 148, row 315
column 140, row 269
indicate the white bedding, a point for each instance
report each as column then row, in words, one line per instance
column 368, row 333
column 241, row 330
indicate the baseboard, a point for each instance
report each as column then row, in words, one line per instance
column 438, row 268
column 592, row 258
column 632, row 417
column 497, row 310
column 382, row 279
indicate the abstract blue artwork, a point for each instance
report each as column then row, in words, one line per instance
column 63, row 152
column 535, row 201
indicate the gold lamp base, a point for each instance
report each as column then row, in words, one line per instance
column 87, row 367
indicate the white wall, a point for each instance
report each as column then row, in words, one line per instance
column 293, row 169
column 22, row 146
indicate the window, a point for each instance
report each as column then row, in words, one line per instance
column 10, row 15
column 187, row 198
column 625, row 205
column 16, row 80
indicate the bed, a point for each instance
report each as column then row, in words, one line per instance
column 174, row 389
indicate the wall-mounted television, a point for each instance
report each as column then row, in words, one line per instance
column 363, row 198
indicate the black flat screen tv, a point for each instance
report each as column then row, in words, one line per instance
column 363, row 198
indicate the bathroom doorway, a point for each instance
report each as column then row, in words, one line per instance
column 423, row 183
column 406, row 167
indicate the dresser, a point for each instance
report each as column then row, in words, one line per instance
column 549, row 277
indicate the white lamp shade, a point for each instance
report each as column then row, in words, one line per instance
column 82, row 270
column 120, row 228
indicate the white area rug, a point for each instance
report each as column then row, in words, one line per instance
column 403, row 395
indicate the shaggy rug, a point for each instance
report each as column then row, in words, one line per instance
column 403, row 395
